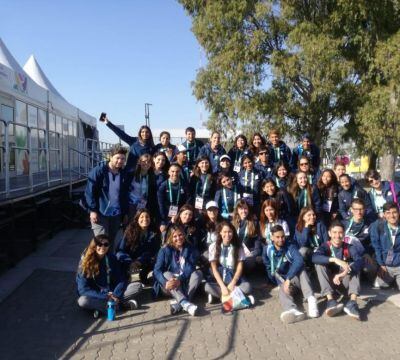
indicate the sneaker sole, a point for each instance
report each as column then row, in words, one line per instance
column 291, row 318
column 334, row 310
column 355, row 317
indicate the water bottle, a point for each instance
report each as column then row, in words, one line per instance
column 111, row 310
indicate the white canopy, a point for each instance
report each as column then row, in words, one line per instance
column 13, row 79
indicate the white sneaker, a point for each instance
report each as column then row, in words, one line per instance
column 133, row 304
column 376, row 284
column 210, row 299
column 312, row 307
column 190, row 308
column 251, row 299
column 291, row 316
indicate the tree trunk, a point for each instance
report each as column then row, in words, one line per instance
column 372, row 161
column 387, row 166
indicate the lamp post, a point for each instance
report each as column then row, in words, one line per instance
column 147, row 113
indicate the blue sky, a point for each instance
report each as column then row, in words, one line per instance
column 111, row 56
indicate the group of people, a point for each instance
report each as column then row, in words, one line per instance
column 194, row 214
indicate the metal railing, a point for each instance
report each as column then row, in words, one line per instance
column 52, row 146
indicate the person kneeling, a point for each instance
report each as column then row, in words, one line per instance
column 226, row 257
column 338, row 265
column 285, row 267
column 175, row 271
column 100, row 279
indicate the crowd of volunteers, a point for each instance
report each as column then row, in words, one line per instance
column 197, row 216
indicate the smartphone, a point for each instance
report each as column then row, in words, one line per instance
column 103, row 116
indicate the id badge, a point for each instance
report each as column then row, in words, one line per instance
column 327, row 206
column 173, row 210
column 199, row 203
column 236, row 168
column 249, row 198
column 389, row 257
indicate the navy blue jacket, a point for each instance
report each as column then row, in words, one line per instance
column 313, row 155
column 160, row 148
column 98, row 287
column 306, row 239
column 382, row 243
column 285, row 153
column 144, row 252
column 252, row 243
column 193, row 150
column 387, row 194
column 345, row 198
column 361, row 232
column 164, row 199
column 166, row 262
column 135, row 147
column 291, row 266
column 196, row 186
column 316, row 202
column 97, row 187
column 228, row 208
column 236, row 156
column 265, row 171
column 323, row 253
column 284, row 201
column 212, row 156
column 247, row 188
column 281, row 183
column 160, row 178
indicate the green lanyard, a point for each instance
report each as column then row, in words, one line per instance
column 170, row 193
column 315, row 240
column 277, row 182
column 277, row 153
column 146, row 187
column 267, row 231
column 333, row 253
column 108, row 273
column 278, row 265
column 309, row 177
column 204, row 186
column 304, row 193
column 188, row 148
column 375, row 195
column 392, row 233
column 246, row 180
column 225, row 199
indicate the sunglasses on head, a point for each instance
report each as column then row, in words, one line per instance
column 104, row 244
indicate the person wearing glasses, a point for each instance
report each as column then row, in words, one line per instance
column 264, row 165
column 305, row 166
column 381, row 192
column 106, row 194
column 308, row 149
column 278, row 148
column 385, row 238
column 100, row 279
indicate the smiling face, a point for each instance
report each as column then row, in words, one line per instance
column 345, row 183
column 212, row 213
column 215, row 140
column 186, row 216
column 274, row 139
column 392, row 216
column 145, row 163
column 164, row 140
column 247, row 164
column 336, row 235
column 278, row 238
column 301, row 179
column 243, row 211
column 226, row 235
column 102, row 248
column 340, row 170
column 145, row 134
column 144, row 220
column 178, row 239
column 306, row 144
column 204, row 166
column 117, row 161
column 326, row 178
column 304, row 165
column 159, row 162
column 270, row 213
column 190, row 136
column 269, row 188
column 257, row 141
column 226, row 182
column 225, row 163
column 281, row 172
column 309, row 217
column 174, row 172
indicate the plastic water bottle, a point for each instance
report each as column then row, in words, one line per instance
column 111, row 310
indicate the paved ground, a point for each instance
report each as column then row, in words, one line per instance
column 40, row 320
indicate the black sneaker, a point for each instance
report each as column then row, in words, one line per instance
column 352, row 310
column 174, row 307
column 333, row 308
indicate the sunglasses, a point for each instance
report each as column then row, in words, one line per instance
column 104, row 244
column 372, row 180
column 262, row 153
column 301, row 164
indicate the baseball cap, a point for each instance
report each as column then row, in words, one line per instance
column 211, row 204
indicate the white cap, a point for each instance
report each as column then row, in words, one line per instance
column 211, row 204
column 181, row 148
column 225, row 157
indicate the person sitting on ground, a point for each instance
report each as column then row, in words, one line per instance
column 226, row 257
column 381, row 192
column 310, row 233
column 175, row 272
column 138, row 247
column 285, row 267
column 385, row 238
column 338, row 266
column 100, row 279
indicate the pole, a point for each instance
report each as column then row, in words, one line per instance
column 147, row 113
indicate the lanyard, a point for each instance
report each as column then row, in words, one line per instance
column 277, row 153
column 392, row 232
column 146, row 185
column 303, row 192
column 226, row 200
column 246, row 180
column 278, row 265
column 267, row 231
column 333, row 253
column 309, row 177
column 108, row 273
column 225, row 253
column 204, row 186
column 170, row 192
column 315, row 240
column 277, row 182
column 375, row 195
column 188, row 148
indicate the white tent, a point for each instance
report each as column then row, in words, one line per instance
column 14, row 80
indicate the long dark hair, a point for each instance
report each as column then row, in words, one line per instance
column 331, row 190
column 263, row 218
column 148, row 142
column 235, row 242
column 196, row 169
column 133, row 230
column 139, row 167
column 167, row 163
column 191, row 226
column 300, row 222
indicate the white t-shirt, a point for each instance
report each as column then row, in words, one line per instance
column 226, row 261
